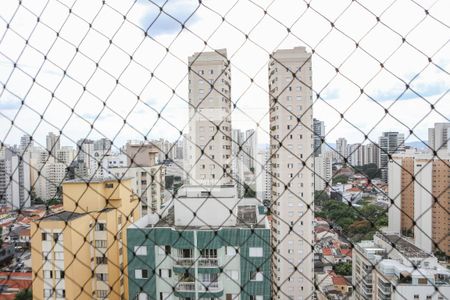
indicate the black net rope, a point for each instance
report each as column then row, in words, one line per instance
column 67, row 66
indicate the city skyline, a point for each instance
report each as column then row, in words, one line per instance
column 224, row 150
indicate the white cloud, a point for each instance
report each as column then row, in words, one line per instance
column 359, row 68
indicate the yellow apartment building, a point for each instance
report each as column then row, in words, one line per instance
column 80, row 253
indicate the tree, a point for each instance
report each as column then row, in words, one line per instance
column 344, row 269
column 370, row 170
column 340, row 179
column 24, row 295
column 320, row 197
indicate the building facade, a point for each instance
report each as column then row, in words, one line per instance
column 342, row 149
column 389, row 143
column 210, row 255
column 319, row 135
column 147, row 183
column 439, row 137
column 418, row 185
column 292, row 159
column 209, row 139
column 381, row 271
column 15, row 185
column 79, row 253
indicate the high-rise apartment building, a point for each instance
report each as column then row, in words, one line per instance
column 148, row 185
column 103, row 144
column 439, row 136
column 323, row 170
column 292, row 159
column 237, row 162
column 26, row 143
column 80, row 253
column 15, row 186
column 418, row 185
column 52, row 142
column 371, row 154
column 250, row 149
column 389, row 143
column 342, row 149
column 319, row 134
column 224, row 251
column 356, row 154
column 263, row 176
column 210, row 119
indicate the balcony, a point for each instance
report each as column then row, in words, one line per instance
column 183, row 264
column 204, row 289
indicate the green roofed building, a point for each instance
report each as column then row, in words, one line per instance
column 206, row 245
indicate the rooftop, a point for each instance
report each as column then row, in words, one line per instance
column 340, row 280
column 95, row 180
column 62, row 216
column 69, row 215
column 403, row 246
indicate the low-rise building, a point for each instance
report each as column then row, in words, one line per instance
column 198, row 249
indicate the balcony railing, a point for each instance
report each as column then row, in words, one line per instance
column 201, row 262
column 201, row 287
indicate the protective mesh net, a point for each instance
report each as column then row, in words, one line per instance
column 134, row 166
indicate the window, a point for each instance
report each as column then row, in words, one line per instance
column 100, row 226
column 255, row 252
column 48, row 274
column 232, row 296
column 164, row 250
column 101, row 276
column 165, row 296
column 258, row 297
column 109, row 185
column 423, row 281
column 208, row 253
column 101, row 260
column 230, row 251
column 45, row 236
column 57, row 236
column 165, row 273
column 141, row 273
column 48, row 293
column 101, row 293
column 60, row 293
column 59, row 274
column 256, row 276
column 140, row 250
column 100, row 243
column 232, row 275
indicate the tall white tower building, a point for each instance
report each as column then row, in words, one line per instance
column 439, row 137
column 209, row 139
column 52, row 142
column 292, row 158
column 341, row 149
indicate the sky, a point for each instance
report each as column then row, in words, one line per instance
column 118, row 69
